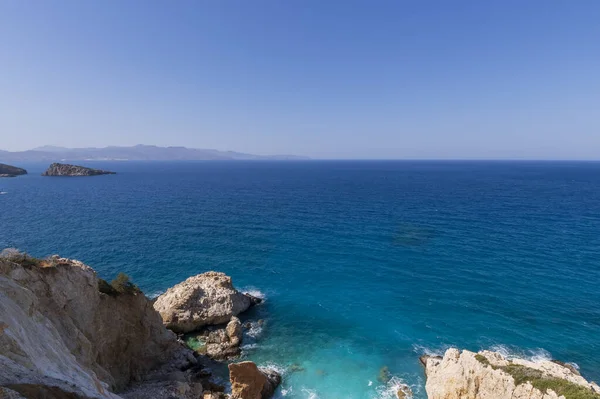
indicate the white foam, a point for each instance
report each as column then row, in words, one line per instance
column 255, row 292
column 310, row 393
column 282, row 371
column 533, row 355
column 424, row 350
column 255, row 330
column 390, row 390
column 249, row 347
column 155, row 294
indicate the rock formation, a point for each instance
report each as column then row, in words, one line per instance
column 60, row 169
column 66, row 334
column 11, row 171
column 205, row 299
column 468, row 375
column 60, row 336
column 250, row 382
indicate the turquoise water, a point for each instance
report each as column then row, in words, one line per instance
column 363, row 264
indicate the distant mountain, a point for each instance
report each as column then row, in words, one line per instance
column 135, row 153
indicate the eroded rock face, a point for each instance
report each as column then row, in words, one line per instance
column 224, row 343
column 61, row 169
column 468, row 375
column 205, row 299
column 60, row 334
column 250, row 382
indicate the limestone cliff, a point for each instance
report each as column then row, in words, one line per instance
column 62, row 338
column 483, row 375
column 60, row 169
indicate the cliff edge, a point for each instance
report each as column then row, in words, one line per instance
column 469, row 375
column 61, row 336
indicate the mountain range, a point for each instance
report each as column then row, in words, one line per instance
column 135, row 153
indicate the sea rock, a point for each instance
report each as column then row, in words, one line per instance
column 11, row 171
column 250, row 382
column 469, row 375
column 60, row 169
column 60, row 337
column 205, row 299
column 224, row 343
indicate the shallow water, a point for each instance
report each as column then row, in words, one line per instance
column 363, row 264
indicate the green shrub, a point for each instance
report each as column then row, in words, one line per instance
column 106, row 288
column 123, row 285
column 522, row 374
column 16, row 256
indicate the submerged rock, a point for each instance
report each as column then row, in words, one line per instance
column 205, row 299
column 250, row 382
column 468, row 375
column 11, row 171
column 61, row 169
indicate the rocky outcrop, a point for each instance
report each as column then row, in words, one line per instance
column 11, row 171
column 61, row 169
column 224, row 343
column 60, row 337
column 250, row 382
column 205, row 299
column 468, row 375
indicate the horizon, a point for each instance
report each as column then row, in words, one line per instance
column 340, row 80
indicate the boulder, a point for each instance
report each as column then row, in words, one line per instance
column 224, row 343
column 61, row 169
column 205, row 299
column 469, row 375
column 250, row 382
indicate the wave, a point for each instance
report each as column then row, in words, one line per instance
column 310, row 393
column 155, row 294
column 390, row 390
column 534, row 355
column 255, row 330
column 255, row 292
column 430, row 351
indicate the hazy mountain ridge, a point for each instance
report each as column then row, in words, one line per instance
column 135, row 153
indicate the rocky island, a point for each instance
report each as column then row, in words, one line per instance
column 11, row 171
column 61, row 169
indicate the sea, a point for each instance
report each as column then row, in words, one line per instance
column 364, row 265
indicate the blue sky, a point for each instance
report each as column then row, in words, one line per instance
column 331, row 79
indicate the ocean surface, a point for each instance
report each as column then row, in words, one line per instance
column 363, row 265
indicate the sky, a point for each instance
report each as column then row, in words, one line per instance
column 327, row 79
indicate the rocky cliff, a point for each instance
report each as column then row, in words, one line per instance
column 11, row 171
column 61, row 336
column 483, row 375
column 66, row 334
column 60, row 169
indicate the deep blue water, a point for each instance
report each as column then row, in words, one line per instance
column 363, row 264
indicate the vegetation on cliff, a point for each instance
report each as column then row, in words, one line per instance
column 523, row 374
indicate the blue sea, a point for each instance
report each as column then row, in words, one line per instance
column 363, row 264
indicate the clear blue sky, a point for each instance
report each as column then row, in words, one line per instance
column 333, row 79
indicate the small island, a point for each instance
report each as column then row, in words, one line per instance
column 61, row 169
column 11, row 171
